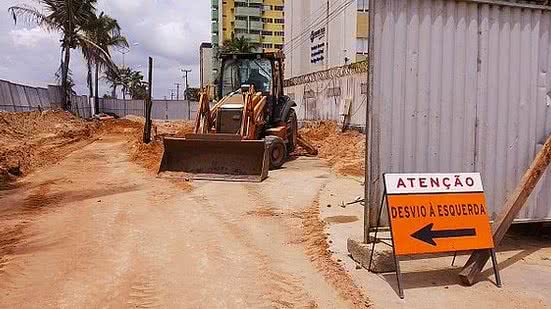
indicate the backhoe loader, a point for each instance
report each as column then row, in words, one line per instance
column 252, row 128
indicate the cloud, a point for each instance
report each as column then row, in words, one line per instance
column 29, row 38
column 170, row 31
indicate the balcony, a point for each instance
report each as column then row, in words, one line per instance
column 214, row 27
column 256, row 25
column 254, row 38
column 241, row 24
column 248, row 11
column 214, row 15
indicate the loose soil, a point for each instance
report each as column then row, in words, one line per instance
column 33, row 139
column 344, row 151
column 96, row 230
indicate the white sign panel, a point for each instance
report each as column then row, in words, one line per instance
column 433, row 183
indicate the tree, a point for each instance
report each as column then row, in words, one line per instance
column 131, row 82
column 112, row 76
column 104, row 32
column 136, row 85
column 67, row 17
column 238, row 45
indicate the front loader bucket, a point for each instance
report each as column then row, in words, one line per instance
column 215, row 157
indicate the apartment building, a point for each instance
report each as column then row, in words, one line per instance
column 261, row 21
column 321, row 34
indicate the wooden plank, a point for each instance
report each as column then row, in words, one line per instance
column 505, row 218
column 310, row 149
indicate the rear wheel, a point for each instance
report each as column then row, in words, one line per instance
column 292, row 131
column 277, row 150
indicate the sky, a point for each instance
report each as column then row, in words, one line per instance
column 170, row 31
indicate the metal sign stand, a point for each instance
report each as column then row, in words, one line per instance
column 397, row 259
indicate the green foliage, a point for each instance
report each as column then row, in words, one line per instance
column 67, row 17
column 238, row 45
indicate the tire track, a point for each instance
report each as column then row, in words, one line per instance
column 280, row 289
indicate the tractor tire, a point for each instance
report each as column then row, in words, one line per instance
column 292, row 131
column 277, row 151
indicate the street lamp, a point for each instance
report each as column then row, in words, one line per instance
column 124, row 51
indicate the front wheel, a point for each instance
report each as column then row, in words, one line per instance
column 277, row 151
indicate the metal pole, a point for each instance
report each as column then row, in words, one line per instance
column 148, row 104
column 186, row 93
column 177, row 91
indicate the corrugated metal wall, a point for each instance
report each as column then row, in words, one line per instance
column 460, row 86
column 161, row 109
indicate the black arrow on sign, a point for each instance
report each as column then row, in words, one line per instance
column 427, row 234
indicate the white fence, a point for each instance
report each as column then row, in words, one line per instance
column 161, row 109
column 331, row 95
column 22, row 98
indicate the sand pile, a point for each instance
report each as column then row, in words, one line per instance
column 147, row 155
column 32, row 139
column 343, row 151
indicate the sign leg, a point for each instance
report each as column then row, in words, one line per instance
column 454, row 257
column 376, row 231
column 496, row 270
column 399, row 277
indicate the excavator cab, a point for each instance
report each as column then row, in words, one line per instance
column 251, row 128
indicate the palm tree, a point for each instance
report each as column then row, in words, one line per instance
column 67, row 17
column 238, row 45
column 113, row 77
column 105, row 33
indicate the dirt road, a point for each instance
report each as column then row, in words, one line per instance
column 96, row 230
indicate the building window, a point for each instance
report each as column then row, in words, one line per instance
column 241, row 17
column 279, row 33
column 268, row 20
column 278, row 8
column 278, row 46
column 363, row 5
column 254, row 31
column 267, row 46
column 267, row 33
column 253, row 18
column 279, row 21
column 362, row 45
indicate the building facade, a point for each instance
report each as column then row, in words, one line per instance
column 261, row 21
column 205, row 59
column 322, row 34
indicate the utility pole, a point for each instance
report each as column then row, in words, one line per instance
column 187, row 85
column 186, row 93
column 177, row 91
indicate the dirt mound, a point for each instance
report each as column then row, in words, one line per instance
column 147, row 155
column 345, row 152
column 32, row 139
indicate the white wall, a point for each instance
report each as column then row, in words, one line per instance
column 303, row 17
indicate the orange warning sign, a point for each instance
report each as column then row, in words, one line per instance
column 431, row 213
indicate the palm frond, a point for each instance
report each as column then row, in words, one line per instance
column 31, row 15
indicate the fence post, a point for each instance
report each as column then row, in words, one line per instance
column 148, row 104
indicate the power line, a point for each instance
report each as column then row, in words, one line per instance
column 334, row 14
column 320, row 10
column 308, row 28
column 327, row 19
